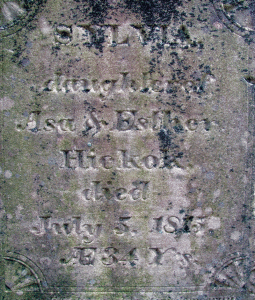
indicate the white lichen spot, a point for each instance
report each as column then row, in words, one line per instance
column 18, row 212
column 8, row 174
column 9, row 216
column 218, row 25
column 213, row 223
column 33, row 195
column 6, row 103
column 212, row 79
column 200, row 197
column 197, row 212
column 19, row 292
column 244, row 143
column 44, row 26
column 177, row 171
column 184, row 244
column 45, row 261
column 216, row 194
column 208, row 211
column 235, row 235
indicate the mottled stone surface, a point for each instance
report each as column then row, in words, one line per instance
column 127, row 135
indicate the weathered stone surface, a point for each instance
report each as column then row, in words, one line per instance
column 127, row 149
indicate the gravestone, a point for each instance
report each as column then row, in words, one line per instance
column 127, row 159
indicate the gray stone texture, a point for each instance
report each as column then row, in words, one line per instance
column 127, row 149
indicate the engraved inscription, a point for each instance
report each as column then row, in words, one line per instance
column 161, row 256
column 121, row 120
column 63, row 34
column 197, row 223
column 106, row 256
column 83, row 159
column 86, row 256
column 74, row 226
column 97, row 191
column 115, row 34
column 35, row 123
column 152, row 257
column 123, row 83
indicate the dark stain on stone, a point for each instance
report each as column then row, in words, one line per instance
column 250, row 79
column 165, row 137
column 183, row 33
column 97, row 40
column 178, row 128
column 187, row 222
column 170, row 150
column 155, row 11
column 96, row 10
